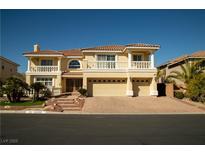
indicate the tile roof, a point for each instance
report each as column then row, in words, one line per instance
column 198, row 54
column 143, row 45
column 72, row 52
column 43, row 52
column 121, row 47
column 108, row 47
column 78, row 52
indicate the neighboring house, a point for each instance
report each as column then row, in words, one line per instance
column 174, row 65
column 8, row 68
column 115, row 70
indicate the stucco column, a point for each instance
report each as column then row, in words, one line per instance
column 28, row 79
column 84, row 82
column 129, row 87
column 152, row 59
column 129, row 59
column 59, row 63
column 85, row 64
column 29, row 64
column 153, row 87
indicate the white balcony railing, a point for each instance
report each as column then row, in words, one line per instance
column 118, row 65
column 141, row 64
column 44, row 69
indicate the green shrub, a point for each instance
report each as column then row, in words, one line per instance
column 1, row 89
column 83, row 91
column 196, row 89
column 46, row 93
column 179, row 94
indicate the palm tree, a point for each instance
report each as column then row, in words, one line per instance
column 161, row 74
column 14, row 88
column 37, row 87
column 188, row 72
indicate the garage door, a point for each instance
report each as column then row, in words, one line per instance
column 141, row 87
column 107, row 87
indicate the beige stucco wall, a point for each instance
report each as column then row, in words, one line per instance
column 36, row 61
column 9, row 69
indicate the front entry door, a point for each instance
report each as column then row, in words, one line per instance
column 73, row 85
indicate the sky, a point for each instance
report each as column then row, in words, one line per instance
column 178, row 32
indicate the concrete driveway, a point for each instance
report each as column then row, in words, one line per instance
column 138, row 105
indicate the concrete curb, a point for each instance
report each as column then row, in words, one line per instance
column 88, row 113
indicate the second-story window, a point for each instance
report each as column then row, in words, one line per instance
column 74, row 64
column 137, row 57
column 106, row 61
column 106, row 58
column 46, row 62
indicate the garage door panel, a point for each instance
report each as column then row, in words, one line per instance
column 141, row 87
column 107, row 88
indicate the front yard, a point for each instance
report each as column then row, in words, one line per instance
column 25, row 103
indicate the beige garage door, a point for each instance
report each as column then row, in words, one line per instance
column 141, row 87
column 108, row 87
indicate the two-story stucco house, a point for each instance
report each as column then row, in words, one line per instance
column 115, row 70
column 8, row 68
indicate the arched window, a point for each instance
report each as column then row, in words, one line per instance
column 74, row 64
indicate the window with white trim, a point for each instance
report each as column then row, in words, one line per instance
column 46, row 62
column 48, row 82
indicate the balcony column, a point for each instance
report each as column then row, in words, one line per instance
column 152, row 60
column 84, row 82
column 129, row 87
column 29, row 64
column 59, row 63
column 153, row 87
column 129, row 59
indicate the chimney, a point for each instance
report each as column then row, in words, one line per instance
column 36, row 48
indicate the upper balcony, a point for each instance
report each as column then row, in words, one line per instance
column 112, row 65
column 39, row 69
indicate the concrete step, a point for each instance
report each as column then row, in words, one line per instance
column 65, row 99
column 64, row 102
column 69, row 105
column 72, row 109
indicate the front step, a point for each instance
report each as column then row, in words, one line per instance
column 72, row 109
column 69, row 103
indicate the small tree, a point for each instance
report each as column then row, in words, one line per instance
column 14, row 88
column 196, row 88
column 1, row 88
column 37, row 87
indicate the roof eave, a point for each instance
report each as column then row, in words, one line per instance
column 100, row 51
column 43, row 55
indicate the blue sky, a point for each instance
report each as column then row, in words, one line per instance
column 177, row 31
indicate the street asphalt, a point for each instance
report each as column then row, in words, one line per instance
column 41, row 129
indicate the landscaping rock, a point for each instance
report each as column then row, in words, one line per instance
column 7, row 107
column 58, row 108
column 49, row 108
column 54, row 108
